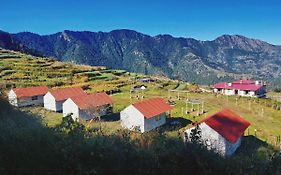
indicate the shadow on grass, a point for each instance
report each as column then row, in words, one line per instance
column 252, row 145
column 111, row 117
column 175, row 123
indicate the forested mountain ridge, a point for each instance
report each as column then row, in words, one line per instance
column 205, row 62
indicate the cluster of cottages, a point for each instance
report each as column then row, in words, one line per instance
column 221, row 132
column 72, row 100
column 245, row 88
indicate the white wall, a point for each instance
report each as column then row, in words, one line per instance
column 229, row 92
column 231, row 148
column 26, row 101
column 152, row 123
column 213, row 140
column 50, row 102
column 70, row 107
column 12, row 98
column 131, row 118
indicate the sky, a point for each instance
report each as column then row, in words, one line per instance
column 199, row 19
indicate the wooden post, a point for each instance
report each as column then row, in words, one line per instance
column 192, row 107
column 255, row 132
column 169, row 94
column 198, row 113
column 203, row 107
column 178, row 95
column 186, row 107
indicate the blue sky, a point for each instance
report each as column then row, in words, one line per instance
column 200, row 19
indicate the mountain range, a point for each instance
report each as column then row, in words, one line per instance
column 205, row 62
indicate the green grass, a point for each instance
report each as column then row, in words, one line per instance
column 25, row 70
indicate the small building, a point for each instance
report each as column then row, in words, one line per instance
column 145, row 115
column 221, row 132
column 88, row 106
column 245, row 88
column 28, row 96
column 54, row 99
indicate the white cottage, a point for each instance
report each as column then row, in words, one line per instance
column 145, row 115
column 86, row 107
column 221, row 132
column 27, row 96
column 54, row 99
column 245, row 88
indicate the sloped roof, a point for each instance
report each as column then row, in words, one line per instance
column 152, row 107
column 243, row 82
column 92, row 100
column 228, row 124
column 221, row 85
column 239, row 84
column 30, row 91
column 65, row 93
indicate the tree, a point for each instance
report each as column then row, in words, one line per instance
column 95, row 113
column 71, row 127
column 195, row 135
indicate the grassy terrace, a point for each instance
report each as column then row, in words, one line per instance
column 23, row 70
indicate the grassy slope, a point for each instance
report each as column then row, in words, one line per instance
column 24, row 70
column 27, row 147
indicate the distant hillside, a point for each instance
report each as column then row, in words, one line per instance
column 204, row 62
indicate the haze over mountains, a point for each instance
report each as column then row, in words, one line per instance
column 205, row 62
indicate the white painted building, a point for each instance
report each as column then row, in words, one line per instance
column 145, row 115
column 87, row 107
column 28, row 96
column 221, row 132
column 244, row 88
column 54, row 99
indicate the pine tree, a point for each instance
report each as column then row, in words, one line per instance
column 195, row 135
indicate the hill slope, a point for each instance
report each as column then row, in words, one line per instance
column 227, row 57
column 68, row 148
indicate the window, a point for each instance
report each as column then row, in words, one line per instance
column 34, row 98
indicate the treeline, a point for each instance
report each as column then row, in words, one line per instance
column 28, row 147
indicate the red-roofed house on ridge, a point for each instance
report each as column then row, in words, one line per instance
column 28, row 96
column 54, row 99
column 221, row 132
column 245, row 88
column 145, row 115
column 87, row 107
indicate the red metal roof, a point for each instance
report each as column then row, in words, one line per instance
column 152, row 107
column 65, row 93
column 221, row 85
column 239, row 85
column 243, row 82
column 228, row 124
column 92, row 100
column 30, row 91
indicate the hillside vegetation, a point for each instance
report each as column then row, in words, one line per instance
column 36, row 141
column 204, row 62
column 28, row 147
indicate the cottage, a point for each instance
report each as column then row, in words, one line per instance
column 145, row 115
column 54, row 99
column 28, row 96
column 88, row 106
column 245, row 88
column 221, row 132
